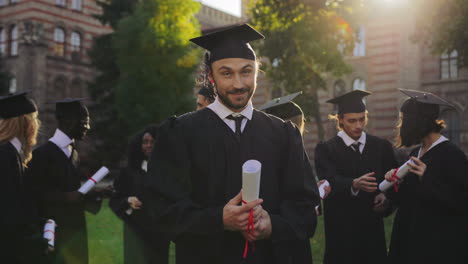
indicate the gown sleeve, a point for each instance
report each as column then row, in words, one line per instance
column 326, row 169
column 168, row 192
column 118, row 202
column 296, row 219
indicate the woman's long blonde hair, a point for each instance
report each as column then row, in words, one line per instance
column 24, row 128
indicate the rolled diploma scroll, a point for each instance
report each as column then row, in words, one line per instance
column 251, row 171
column 89, row 184
column 49, row 232
column 322, row 188
column 322, row 191
column 401, row 173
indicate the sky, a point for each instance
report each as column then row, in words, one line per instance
column 232, row 7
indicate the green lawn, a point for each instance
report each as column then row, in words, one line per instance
column 105, row 232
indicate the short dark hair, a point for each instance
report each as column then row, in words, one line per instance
column 411, row 129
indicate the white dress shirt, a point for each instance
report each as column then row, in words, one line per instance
column 17, row 144
column 63, row 142
column 437, row 142
column 223, row 112
column 348, row 142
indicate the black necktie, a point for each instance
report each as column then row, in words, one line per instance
column 238, row 120
column 355, row 146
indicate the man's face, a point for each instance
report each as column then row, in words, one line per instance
column 81, row 127
column 235, row 81
column 202, row 102
column 353, row 124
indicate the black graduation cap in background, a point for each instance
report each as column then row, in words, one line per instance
column 71, row 108
column 283, row 107
column 423, row 104
column 230, row 43
column 17, row 104
column 350, row 102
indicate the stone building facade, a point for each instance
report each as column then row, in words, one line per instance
column 44, row 45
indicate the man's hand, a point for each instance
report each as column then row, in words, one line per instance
column 380, row 203
column 262, row 228
column 134, row 203
column 366, row 183
column 236, row 217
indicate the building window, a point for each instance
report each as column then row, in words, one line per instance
column 59, row 42
column 14, row 40
column 360, row 44
column 75, row 40
column 449, row 65
column 339, row 88
column 3, row 2
column 12, row 87
column 62, row 3
column 359, row 84
column 2, row 41
column 452, row 120
column 77, row 5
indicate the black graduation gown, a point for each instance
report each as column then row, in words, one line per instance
column 195, row 170
column 354, row 233
column 430, row 225
column 141, row 245
column 21, row 228
column 50, row 175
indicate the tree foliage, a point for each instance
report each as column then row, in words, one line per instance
column 107, row 127
column 443, row 25
column 145, row 70
column 156, row 61
column 305, row 43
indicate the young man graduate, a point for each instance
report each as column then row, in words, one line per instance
column 54, row 177
column 431, row 222
column 196, row 170
column 354, row 162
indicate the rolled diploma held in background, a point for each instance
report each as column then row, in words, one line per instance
column 322, row 188
column 49, row 232
column 89, row 184
column 401, row 173
column 251, row 171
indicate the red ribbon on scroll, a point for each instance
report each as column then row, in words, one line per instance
column 250, row 230
column 395, row 179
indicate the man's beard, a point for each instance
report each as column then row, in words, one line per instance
column 228, row 103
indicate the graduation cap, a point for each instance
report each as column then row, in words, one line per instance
column 16, row 105
column 422, row 103
column 71, row 108
column 283, row 107
column 229, row 43
column 350, row 102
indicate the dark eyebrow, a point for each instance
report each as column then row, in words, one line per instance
column 224, row 68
